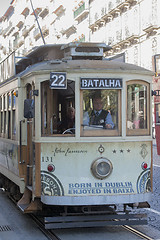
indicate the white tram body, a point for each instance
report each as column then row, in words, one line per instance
column 89, row 164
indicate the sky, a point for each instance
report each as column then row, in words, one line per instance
column 4, row 4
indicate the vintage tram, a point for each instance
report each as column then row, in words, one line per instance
column 76, row 165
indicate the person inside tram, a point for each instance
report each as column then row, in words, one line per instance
column 69, row 122
column 98, row 116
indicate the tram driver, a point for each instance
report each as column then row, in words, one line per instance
column 98, row 116
column 69, row 121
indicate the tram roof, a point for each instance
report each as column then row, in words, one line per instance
column 74, row 56
column 84, row 65
column 66, row 57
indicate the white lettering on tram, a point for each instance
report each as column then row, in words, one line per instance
column 84, row 83
column 117, row 84
column 112, row 83
column 90, row 83
column 101, row 188
column 102, row 83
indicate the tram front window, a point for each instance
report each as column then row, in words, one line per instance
column 58, row 110
column 137, row 109
column 101, row 112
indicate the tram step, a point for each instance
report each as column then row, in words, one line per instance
column 94, row 220
column 22, row 207
column 31, row 207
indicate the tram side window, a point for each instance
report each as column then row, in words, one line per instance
column 9, row 115
column 1, row 106
column 101, row 113
column 58, row 110
column 157, row 106
column 137, row 108
column 13, row 115
column 5, row 114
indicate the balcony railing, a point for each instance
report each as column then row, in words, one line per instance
column 20, row 41
column 70, row 30
column 114, row 10
column 8, row 28
column 20, row 21
column 25, row 11
column 45, row 30
column 15, row 43
column 37, row 11
column 151, row 28
column 59, row 10
column 133, row 39
column 15, row 31
column 80, row 11
column 44, row 12
column 25, row 30
column 36, row 33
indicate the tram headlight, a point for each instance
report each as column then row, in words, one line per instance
column 101, row 168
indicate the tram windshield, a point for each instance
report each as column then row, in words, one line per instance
column 137, row 109
column 101, row 112
column 58, row 109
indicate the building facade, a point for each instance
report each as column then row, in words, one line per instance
column 131, row 27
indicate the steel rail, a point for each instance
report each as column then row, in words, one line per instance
column 48, row 233
column 136, row 232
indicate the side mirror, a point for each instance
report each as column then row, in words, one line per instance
column 28, row 108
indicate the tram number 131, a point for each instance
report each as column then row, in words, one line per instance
column 58, row 80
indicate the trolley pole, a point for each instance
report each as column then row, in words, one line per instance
column 37, row 22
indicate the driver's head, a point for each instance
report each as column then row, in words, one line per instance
column 97, row 104
column 71, row 112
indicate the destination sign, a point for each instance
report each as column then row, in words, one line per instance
column 58, row 80
column 101, row 83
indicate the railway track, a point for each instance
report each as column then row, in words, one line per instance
column 52, row 236
column 48, row 233
column 136, row 232
column 120, row 232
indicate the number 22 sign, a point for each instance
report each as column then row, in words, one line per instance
column 58, row 80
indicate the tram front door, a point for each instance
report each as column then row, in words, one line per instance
column 29, row 114
column 26, row 203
